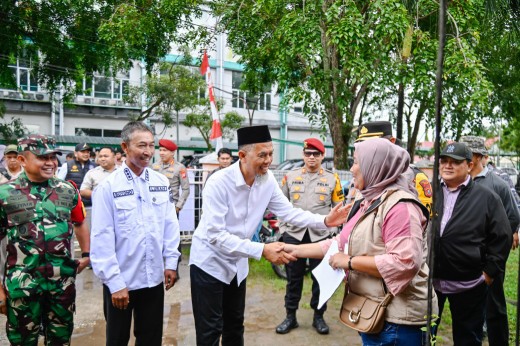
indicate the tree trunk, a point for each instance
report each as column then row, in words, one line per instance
column 400, row 110
column 412, row 142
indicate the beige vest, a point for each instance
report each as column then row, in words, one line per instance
column 410, row 306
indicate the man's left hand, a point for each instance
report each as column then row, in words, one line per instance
column 83, row 263
column 170, row 276
column 487, row 278
column 515, row 241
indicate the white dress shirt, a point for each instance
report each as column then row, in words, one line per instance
column 231, row 213
column 135, row 232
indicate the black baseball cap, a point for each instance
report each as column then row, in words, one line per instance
column 83, row 146
column 457, row 151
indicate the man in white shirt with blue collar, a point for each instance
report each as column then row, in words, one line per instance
column 134, row 241
column 235, row 200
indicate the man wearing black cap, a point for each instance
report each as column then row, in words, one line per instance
column 318, row 190
column 496, row 308
column 471, row 245
column 234, row 203
column 75, row 170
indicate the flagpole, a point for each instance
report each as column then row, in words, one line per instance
column 216, row 129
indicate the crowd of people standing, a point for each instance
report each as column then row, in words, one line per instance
column 124, row 214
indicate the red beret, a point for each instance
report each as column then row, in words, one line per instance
column 314, row 143
column 167, row 144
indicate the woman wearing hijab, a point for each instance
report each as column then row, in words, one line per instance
column 383, row 243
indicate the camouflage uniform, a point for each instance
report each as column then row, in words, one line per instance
column 178, row 177
column 40, row 273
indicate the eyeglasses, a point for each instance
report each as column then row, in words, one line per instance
column 311, row 153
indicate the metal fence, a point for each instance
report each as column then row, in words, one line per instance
column 191, row 213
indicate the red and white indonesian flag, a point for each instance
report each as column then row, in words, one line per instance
column 216, row 130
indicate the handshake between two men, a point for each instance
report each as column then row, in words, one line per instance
column 281, row 253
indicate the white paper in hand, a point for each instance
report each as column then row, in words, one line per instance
column 328, row 278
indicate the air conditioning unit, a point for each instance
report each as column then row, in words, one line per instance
column 87, row 100
column 112, row 102
column 40, row 97
column 103, row 102
column 28, row 96
column 120, row 103
column 14, row 95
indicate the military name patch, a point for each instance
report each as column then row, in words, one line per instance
column 158, row 188
column 17, row 206
column 123, row 193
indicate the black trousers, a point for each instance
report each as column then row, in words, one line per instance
column 147, row 306
column 295, row 274
column 467, row 314
column 496, row 313
column 218, row 309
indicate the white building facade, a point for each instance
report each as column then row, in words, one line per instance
column 99, row 109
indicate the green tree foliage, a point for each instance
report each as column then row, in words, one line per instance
column 64, row 40
column 168, row 91
column 354, row 58
column 10, row 130
column 201, row 120
column 323, row 53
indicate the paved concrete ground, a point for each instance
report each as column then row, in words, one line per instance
column 264, row 310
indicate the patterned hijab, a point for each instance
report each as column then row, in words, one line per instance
column 382, row 166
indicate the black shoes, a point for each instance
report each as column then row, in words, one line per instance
column 287, row 324
column 319, row 324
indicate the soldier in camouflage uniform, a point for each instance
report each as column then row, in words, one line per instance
column 38, row 213
column 317, row 190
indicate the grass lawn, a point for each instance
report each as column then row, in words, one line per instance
column 261, row 272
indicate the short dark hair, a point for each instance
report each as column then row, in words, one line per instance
column 69, row 156
column 108, row 148
column 132, row 127
column 224, row 151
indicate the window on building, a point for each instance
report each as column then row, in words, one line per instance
column 22, row 75
column 105, row 87
column 82, row 131
column 112, row 133
column 241, row 98
column 102, row 87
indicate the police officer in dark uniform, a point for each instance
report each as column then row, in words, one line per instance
column 77, row 168
column 315, row 189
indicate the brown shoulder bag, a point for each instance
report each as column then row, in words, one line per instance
column 363, row 314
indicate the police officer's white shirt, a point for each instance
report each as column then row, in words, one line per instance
column 135, row 234
column 232, row 211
